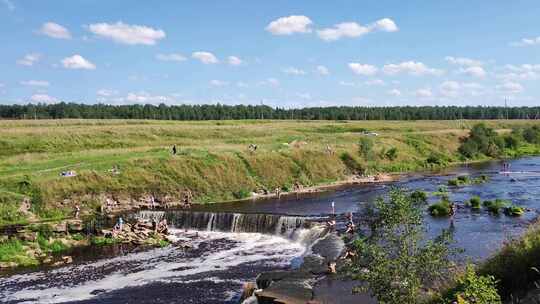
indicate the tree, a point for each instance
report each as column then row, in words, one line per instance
column 472, row 288
column 482, row 140
column 365, row 147
column 397, row 262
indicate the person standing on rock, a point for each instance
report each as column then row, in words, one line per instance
column 77, row 211
column 120, row 223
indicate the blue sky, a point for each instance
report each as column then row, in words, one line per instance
column 281, row 53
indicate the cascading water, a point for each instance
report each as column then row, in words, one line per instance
column 230, row 222
column 225, row 250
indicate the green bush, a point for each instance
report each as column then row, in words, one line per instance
column 392, row 153
column 419, row 196
column 495, row 206
column 242, row 193
column 482, row 140
column 454, row 182
column 365, row 147
column 514, row 210
column 12, row 251
column 102, row 241
column 441, row 208
column 475, row 202
column 351, row 163
column 437, row 159
column 472, row 288
column 532, row 135
column 77, row 237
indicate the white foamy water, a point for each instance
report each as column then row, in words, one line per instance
column 215, row 254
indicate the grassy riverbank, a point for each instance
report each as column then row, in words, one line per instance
column 213, row 160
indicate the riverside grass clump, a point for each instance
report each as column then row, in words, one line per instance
column 515, row 264
column 475, row 203
column 465, row 180
column 441, row 209
column 213, row 160
column 495, row 206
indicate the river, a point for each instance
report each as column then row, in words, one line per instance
column 233, row 242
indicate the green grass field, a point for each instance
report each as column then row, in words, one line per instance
column 213, row 159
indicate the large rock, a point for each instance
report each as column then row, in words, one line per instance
column 28, row 236
column 75, row 225
column 287, row 291
column 330, row 247
column 60, row 227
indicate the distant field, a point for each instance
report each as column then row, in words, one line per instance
column 213, row 159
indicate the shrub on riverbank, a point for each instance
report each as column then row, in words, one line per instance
column 472, row 288
column 482, row 140
column 13, row 252
column 513, row 266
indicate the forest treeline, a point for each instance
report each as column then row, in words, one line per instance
column 220, row 112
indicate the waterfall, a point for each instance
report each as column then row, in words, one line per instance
column 287, row 226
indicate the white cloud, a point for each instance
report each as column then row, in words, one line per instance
column 412, row 68
column 127, row 34
column 290, row 25
column 363, row 69
column 10, row 6
column 423, row 93
column 474, row 71
column 354, row 30
column 77, row 62
column 272, row 82
column 346, row 84
column 171, row 57
column 146, row 98
column 205, row 57
column 463, row 61
column 43, row 98
column 55, row 30
column 29, row 59
column 241, row 84
column 527, row 42
column 521, row 72
column 385, row 25
column 35, row 83
column 341, row 30
column 106, row 93
column 454, row 89
column 305, row 96
column 510, row 87
column 218, row 83
column 375, row 82
column 234, row 61
column 450, row 88
column 322, row 70
column 293, row 71
column 394, row 92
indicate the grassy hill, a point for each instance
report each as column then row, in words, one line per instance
column 213, row 160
